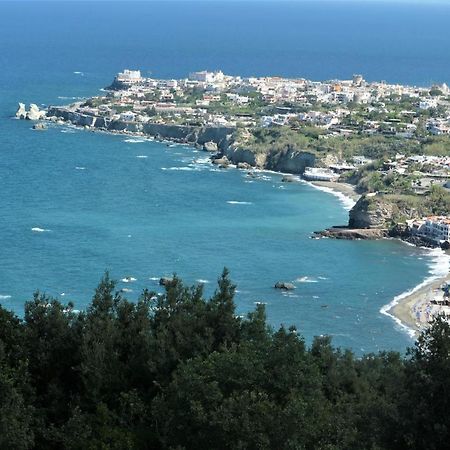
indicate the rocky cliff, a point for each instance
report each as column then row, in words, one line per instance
column 179, row 133
column 34, row 113
column 288, row 160
column 379, row 211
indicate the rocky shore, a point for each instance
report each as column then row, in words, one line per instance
column 345, row 232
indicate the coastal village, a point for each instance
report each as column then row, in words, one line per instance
column 388, row 143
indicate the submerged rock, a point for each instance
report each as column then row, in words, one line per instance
column 39, row 126
column 284, row 285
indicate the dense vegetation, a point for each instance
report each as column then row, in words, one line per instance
column 177, row 371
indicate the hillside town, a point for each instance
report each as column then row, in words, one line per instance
column 387, row 140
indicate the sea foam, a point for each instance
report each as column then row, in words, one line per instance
column 306, row 280
column 134, row 141
column 40, row 230
column 347, row 202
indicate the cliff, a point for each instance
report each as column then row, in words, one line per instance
column 287, row 160
column 179, row 133
column 380, row 211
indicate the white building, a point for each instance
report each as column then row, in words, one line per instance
column 128, row 116
column 129, row 76
column 437, row 228
column 207, row 77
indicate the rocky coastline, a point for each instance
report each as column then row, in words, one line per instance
column 369, row 218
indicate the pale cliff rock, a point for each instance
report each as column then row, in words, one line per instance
column 210, row 147
column 21, row 112
column 35, row 113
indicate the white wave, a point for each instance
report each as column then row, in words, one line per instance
column 77, row 72
column 439, row 267
column 202, row 281
column 4, row 297
column 347, row 202
column 127, row 290
column 134, row 141
column 62, row 97
column 128, row 279
column 235, row 202
column 306, row 280
column 186, row 169
column 203, row 160
column 155, row 278
column 80, row 168
column 316, row 296
column 40, row 230
column 62, row 294
column 141, row 156
column 69, row 131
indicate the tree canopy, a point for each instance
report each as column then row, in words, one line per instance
column 178, row 371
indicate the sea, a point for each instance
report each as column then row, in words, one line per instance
column 76, row 203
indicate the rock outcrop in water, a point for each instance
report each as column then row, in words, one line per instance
column 21, row 112
column 34, row 112
column 285, row 286
column 210, row 147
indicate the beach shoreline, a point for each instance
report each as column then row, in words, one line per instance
column 343, row 188
column 413, row 310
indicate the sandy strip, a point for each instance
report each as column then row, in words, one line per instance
column 344, row 188
column 414, row 310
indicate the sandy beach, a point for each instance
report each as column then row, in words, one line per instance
column 344, row 188
column 415, row 309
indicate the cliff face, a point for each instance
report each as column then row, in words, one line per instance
column 377, row 211
column 179, row 133
column 288, row 160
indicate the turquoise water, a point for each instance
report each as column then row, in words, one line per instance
column 144, row 209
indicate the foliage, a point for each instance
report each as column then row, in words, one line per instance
column 178, row 371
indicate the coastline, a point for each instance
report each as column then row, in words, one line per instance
column 343, row 191
column 403, row 307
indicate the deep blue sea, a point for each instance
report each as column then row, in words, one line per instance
column 74, row 203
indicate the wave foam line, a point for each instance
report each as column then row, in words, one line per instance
column 235, row 202
column 346, row 201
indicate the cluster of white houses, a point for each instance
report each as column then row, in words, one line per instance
column 435, row 228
